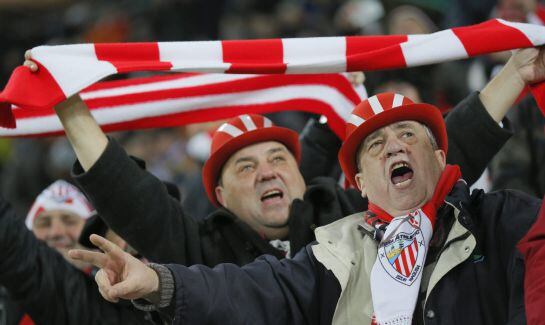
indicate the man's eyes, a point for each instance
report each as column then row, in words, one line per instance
column 69, row 221
column 374, row 145
column 41, row 224
column 245, row 168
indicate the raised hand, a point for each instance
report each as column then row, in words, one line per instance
column 120, row 275
column 525, row 67
column 530, row 64
column 29, row 63
column 356, row 78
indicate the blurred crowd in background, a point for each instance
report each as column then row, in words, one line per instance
column 27, row 166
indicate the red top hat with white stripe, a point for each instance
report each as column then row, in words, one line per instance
column 381, row 110
column 237, row 133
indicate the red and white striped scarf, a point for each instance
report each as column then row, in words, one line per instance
column 183, row 98
column 67, row 69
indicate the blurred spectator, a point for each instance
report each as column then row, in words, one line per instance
column 400, row 87
column 521, row 163
column 26, row 172
column 359, row 17
column 466, row 12
column 42, row 285
column 57, row 217
column 409, row 20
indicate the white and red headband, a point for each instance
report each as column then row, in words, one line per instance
column 60, row 195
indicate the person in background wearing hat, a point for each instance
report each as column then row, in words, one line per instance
column 44, row 285
column 57, row 217
column 264, row 206
column 425, row 251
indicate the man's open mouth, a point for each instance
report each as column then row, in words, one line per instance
column 272, row 195
column 401, row 173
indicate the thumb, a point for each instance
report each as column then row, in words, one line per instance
column 124, row 290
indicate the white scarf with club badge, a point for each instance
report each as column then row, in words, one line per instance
column 397, row 272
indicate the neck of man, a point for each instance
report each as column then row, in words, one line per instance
column 396, row 212
column 274, row 233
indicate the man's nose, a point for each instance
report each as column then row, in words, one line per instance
column 265, row 171
column 393, row 147
column 57, row 229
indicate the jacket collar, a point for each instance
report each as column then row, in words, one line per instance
column 461, row 199
column 458, row 196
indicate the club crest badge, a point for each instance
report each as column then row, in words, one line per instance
column 402, row 255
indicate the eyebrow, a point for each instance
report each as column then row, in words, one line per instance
column 269, row 152
column 244, row 159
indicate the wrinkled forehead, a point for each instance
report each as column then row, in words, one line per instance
column 258, row 151
column 58, row 214
column 400, row 125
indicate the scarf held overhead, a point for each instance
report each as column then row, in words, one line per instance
column 184, row 98
column 67, row 69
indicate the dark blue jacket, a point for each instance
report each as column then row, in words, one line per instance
column 485, row 288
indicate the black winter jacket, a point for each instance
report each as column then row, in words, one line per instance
column 47, row 287
column 135, row 204
column 484, row 287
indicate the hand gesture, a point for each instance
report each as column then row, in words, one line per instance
column 120, row 275
column 530, row 64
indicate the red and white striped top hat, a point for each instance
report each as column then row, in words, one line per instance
column 236, row 134
column 381, row 110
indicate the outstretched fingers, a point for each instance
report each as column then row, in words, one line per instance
column 98, row 259
column 109, row 248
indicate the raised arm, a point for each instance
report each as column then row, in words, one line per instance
column 83, row 132
column 133, row 202
column 267, row 291
column 475, row 135
column 525, row 67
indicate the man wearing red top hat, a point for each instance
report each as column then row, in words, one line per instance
column 264, row 207
column 425, row 251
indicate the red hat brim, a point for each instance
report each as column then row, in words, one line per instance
column 427, row 114
column 213, row 166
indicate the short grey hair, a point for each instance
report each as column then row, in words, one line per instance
column 431, row 137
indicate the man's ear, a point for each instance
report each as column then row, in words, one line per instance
column 441, row 158
column 361, row 184
column 219, row 195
